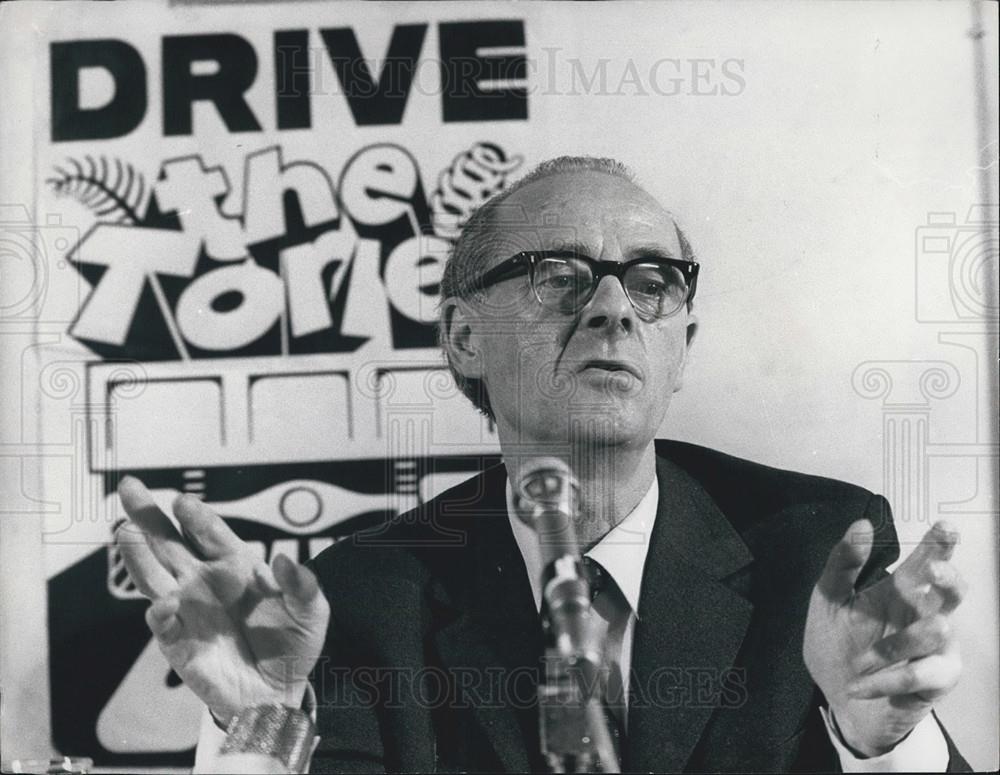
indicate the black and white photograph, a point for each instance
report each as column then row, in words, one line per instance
column 499, row 386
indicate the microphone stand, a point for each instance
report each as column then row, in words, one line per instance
column 574, row 730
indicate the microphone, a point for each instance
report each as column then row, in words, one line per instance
column 575, row 735
column 546, row 500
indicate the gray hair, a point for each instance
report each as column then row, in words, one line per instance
column 481, row 236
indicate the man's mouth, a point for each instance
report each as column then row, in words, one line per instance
column 612, row 366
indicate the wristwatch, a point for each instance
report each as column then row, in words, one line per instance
column 283, row 733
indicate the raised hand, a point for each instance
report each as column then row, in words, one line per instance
column 884, row 654
column 237, row 631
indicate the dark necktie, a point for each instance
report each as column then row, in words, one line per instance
column 596, row 576
column 610, row 605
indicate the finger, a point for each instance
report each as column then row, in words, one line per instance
column 163, row 619
column 267, row 584
column 163, row 539
column 845, row 562
column 299, row 588
column 931, row 675
column 209, row 533
column 948, row 583
column 924, row 637
column 937, row 545
column 152, row 579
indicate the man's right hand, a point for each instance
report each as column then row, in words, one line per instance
column 236, row 631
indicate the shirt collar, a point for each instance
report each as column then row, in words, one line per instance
column 622, row 552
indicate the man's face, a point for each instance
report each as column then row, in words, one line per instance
column 602, row 374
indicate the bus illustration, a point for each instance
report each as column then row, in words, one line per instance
column 294, row 452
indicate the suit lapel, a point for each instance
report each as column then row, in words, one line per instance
column 690, row 627
column 484, row 618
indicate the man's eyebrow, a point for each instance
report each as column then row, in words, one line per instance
column 575, row 247
column 650, row 250
column 645, row 250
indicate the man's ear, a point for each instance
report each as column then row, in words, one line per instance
column 458, row 338
column 692, row 329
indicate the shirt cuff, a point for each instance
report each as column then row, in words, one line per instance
column 923, row 750
column 210, row 740
column 211, row 736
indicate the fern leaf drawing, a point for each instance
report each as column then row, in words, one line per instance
column 113, row 190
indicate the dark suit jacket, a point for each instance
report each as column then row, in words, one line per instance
column 433, row 654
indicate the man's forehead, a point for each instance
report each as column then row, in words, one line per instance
column 586, row 210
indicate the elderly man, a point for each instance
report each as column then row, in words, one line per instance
column 749, row 617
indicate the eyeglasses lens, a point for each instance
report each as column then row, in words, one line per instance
column 656, row 290
column 563, row 284
column 566, row 284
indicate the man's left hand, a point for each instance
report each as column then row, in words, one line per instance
column 884, row 654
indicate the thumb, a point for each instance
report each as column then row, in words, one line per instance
column 300, row 590
column 845, row 562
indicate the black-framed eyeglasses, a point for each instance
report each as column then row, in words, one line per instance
column 565, row 281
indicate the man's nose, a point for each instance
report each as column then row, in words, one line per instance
column 609, row 308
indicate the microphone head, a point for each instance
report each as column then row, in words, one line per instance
column 546, row 485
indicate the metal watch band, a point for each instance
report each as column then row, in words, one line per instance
column 278, row 731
